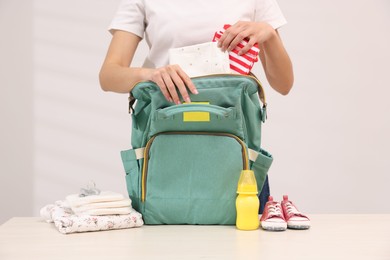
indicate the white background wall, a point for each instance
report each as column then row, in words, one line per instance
column 329, row 136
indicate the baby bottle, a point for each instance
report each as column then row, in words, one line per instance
column 247, row 202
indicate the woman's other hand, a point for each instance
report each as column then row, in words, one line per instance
column 274, row 58
column 254, row 32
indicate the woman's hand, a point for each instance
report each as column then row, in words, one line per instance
column 254, row 32
column 274, row 58
column 170, row 78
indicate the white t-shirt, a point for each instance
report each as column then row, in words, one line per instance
column 169, row 24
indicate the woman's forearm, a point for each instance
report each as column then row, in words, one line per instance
column 171, row 79
column 277, row 65
column 117, row 74
column 116, row 78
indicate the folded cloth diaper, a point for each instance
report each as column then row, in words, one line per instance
column 241, row 64
column 103, row 205
column 75, row 200
column 67, row 222
column 105, row 211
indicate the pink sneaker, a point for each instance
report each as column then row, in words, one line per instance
column 272, row 218
column 294, row 218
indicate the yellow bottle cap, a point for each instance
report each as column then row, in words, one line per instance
column 247, row 183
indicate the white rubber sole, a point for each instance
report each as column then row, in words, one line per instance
column 274, row 226
column 298, row 224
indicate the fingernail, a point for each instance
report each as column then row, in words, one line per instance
column 178, row 102
column 196, row 91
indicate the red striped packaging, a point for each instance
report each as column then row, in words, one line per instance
column 241, row 64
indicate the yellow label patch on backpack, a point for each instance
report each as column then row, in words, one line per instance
column 196, row 116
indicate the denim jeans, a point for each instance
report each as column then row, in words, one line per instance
column 264, row 194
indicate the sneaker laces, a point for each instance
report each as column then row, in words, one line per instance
column 291, row 209
column 274, row 209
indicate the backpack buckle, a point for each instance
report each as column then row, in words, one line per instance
column 131, row 103
column 264, row 113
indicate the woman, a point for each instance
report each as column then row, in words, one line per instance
column 176, row 23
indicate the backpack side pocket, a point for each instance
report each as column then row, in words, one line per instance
column 261, row 166
column 132, row 169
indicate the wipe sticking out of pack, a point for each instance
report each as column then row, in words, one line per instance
column 241, row 64
column 200, row 59
column 74, row 200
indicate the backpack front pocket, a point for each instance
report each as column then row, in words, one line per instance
column 191, row 178
column 197, row 117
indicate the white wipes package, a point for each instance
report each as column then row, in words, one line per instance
column 200, row 59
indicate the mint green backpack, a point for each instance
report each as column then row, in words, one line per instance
column 186, row 159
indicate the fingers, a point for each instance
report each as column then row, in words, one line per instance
column 227, row 40
column 171, row 88
column 231, row 41
column 247, row 46
column 172, row 78
column 187, row 81
column 160, row 82
column 236, row 34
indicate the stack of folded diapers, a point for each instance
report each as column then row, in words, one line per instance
column 106, row 203
column 106, row 210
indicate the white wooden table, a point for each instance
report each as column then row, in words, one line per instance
column 330, row 237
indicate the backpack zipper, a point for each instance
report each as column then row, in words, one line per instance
column 261, row 89
column 245, row 160
column 251, row 76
